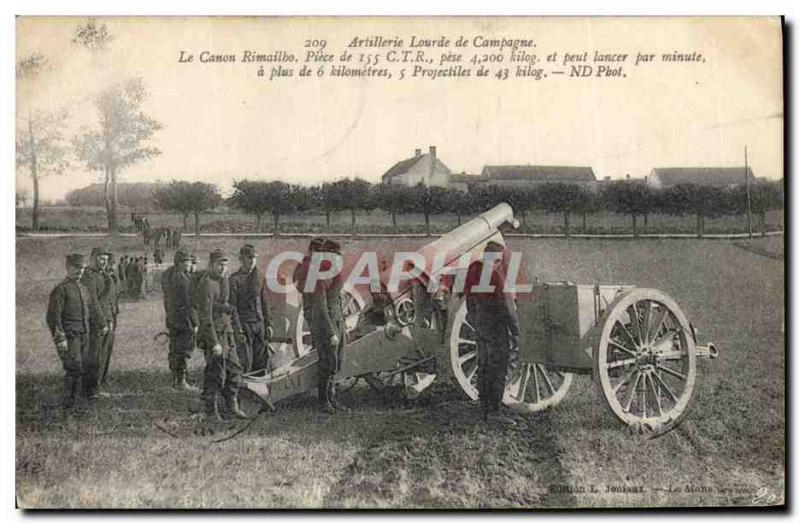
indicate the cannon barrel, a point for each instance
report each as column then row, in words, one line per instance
column 470, row 235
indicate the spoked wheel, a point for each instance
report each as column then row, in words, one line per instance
column 530, row 386
column 352, row 304
column 645, row 363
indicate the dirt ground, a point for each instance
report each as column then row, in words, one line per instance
column 427, row 453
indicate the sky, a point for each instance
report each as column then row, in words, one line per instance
column 221, row 122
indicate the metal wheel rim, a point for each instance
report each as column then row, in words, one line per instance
column 646, row 362
column 541, row 387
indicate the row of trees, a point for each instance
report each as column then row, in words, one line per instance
column 628, row 197
column 119, row 138
column 138, row 195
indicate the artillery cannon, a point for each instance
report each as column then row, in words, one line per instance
column 636, row 343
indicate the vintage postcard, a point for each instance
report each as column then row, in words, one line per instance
column 400, row 262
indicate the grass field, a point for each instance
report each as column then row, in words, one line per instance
column 431, row 453
column 377, row 221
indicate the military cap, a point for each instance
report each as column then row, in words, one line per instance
column 248, row 250
column 332, row 246
column 316, row 244
column 181, row 254
column 98, row 251
column 218, row 255
column 75, row 259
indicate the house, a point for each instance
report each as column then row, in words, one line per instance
column 531, row 176
column 725, row 177
column 419, row 169
column 464, row 182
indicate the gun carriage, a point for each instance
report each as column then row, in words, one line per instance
column 636, row 343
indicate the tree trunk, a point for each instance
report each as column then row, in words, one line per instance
column 584, row 221
column 35, row 213
column 566, row 224
column 458, row 217
column 646, row 215
column 275, row 220
column 763, row 223
column 34, row 175
column 427, row 224
column 258, row 223
column 394, row 222
column 633, row 217
column 522, row 212
column 328, row 220
column 699, row 225
column 197, row 224
column 352, row 222
column 186, row 222
column 107, row 196
column 113, row 197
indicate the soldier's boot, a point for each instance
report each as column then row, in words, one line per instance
column 211, row 413
column 70, row 392
column 180, row 382
column 496, row 416
column 323, row 394
column 232, row 408
column 334, row 399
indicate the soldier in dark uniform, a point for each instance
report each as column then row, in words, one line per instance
column 493, row 316
column 121, row 271
column 158, row 255
column 249, row 297
column 217, row 322
column 328, row 332
column 98, row 281
column 72, row 315
column 113, row 301
column 180, row 317
column 301, row 273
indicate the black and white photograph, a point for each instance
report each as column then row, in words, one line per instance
column 395, row 262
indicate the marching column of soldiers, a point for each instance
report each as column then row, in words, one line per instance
column 228, row 319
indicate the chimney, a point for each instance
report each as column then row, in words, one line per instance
column 433, row 152
column 417, row 153
column 628, row 177
column 432, row 164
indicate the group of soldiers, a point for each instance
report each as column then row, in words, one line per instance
column 227, row 318
column 132, row 275
column 82, row 316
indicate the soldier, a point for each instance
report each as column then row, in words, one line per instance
column 301, row 273
column 98, row 282
column 158, row 255
column 493, row 316
column 180, row 317
column 121, row 271
column 113, row 301
column 72, row 314
column 328, row 333
column 217, row 320
column 249, row 297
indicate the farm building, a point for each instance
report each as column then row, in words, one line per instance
column 464, row 182
column 662, row 177
column 419, row 169
column 531, row 176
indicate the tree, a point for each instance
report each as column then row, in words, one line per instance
column 764, row 196
column 120, row 139
column 559, row 197
column 590, row 205
column 92, row 37
column 324, row 197
column 188, row 198
column 699, row 200
column 458, row 202
column 40, row 143
column 352, row 195
column 627, row 197
column 392, row 198
column 428, row 201
column 137, row 195
column 250, row 196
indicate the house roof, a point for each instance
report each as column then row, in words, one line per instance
column 464, row 178
column 708, row 176
column 541, row 173
column 402, row 167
